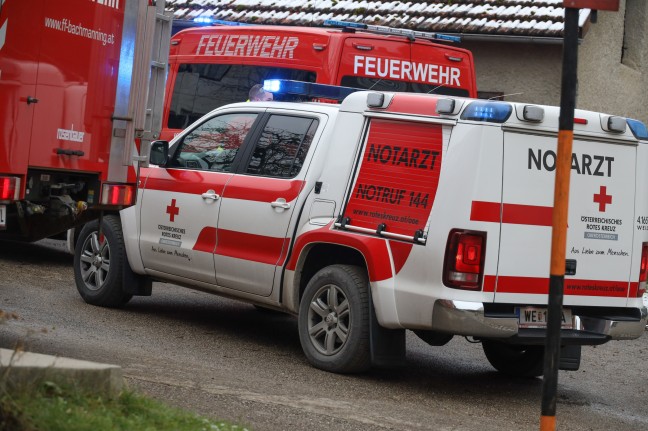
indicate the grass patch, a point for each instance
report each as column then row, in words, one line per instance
column 53, row 408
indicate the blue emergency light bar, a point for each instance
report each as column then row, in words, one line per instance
column 381, row 29
column 308, row 89
column 493, row 112
column 206, row 20
column 638, row 129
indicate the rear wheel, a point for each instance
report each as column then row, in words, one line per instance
column 99, row 264
column 334, row 320
column 515, row 360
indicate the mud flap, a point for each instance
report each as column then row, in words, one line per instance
column 135, row 284
column 570, row 358
column 387, row 345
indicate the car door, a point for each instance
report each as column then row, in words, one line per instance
column 180, row 201
column 260, row 201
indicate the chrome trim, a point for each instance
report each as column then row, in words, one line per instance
column 467, row 318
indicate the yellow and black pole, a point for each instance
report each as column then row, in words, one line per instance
column 561, row 204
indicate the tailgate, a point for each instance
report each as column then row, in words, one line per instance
column 600, row 223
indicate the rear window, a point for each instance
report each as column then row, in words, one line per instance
column 379, row 84
column 200, row 88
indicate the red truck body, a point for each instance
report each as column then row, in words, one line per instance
column 71, row 81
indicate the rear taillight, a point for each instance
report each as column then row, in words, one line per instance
column 464, row 259
column 117, row 194
column 643, row 272
column 9, row 188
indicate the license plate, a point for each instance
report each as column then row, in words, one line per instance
column 3, row 216
column 535, row 317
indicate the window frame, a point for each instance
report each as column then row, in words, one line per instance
column 260, row 127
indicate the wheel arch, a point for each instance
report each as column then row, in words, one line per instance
column 319, row 255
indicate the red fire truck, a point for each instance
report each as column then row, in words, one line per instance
column 79, row 81
column 212, row 66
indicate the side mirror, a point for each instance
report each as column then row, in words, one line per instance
column 159, row 154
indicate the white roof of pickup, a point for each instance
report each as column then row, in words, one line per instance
column 528, row 18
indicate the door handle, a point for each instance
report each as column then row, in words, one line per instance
column 211, row 195
column 31, row 100
column 280, row 203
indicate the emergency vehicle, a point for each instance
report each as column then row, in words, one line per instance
column 79, row 81
column 216, row 65
column 391, row 211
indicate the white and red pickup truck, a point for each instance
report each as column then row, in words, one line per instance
column 391, row 211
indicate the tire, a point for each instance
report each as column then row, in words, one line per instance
column 515, row 360
column 334, row 320
column 99, row 267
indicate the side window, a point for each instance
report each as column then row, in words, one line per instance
column 282, row 146
column 213, row 145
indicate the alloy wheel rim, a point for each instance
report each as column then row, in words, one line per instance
column 95, row 262
column 329, row 319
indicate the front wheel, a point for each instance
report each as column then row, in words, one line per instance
column 334, row 320
column 99, row 264
column 514, row 360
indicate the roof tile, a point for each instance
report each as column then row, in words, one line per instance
column 538, row 18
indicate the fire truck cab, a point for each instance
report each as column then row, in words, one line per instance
column 217, row 65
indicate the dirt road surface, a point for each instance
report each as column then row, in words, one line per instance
column 227, row 360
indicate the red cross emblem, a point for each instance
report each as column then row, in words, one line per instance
column 602, row 198
column 172, row 210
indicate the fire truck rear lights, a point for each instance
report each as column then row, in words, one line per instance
column 445, row 106
column 464, row 259
column 638, row 129
column 643, row 271
column 307, row 89
column 9, row 188
column 493, row 112
column 117, row 195
column 533, row 113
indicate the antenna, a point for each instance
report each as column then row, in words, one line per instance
column 374, row 84
column 504, row 95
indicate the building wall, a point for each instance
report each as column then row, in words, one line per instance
column 523, row 72
column 611, row 79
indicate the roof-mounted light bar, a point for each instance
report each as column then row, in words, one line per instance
column 207, row 20
column 484, row 110
column 381, row 29
column 308, row 89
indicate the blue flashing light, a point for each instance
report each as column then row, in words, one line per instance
column 203, row 20
column 447, row 37
column 308, row 89
column 638, row 129
column 344, row 24
column 207, row 20
column 493, row 112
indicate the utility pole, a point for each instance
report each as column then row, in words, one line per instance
column 561, row 203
